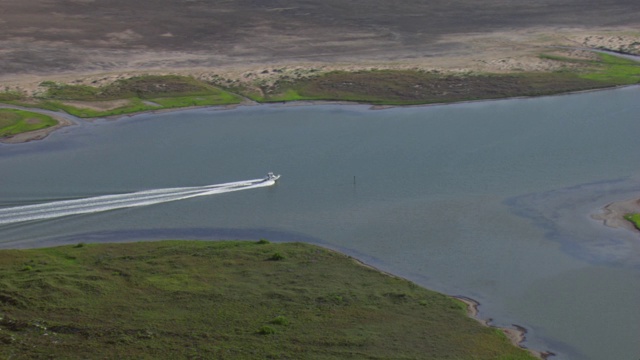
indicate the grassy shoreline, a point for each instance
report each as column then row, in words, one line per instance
column 413, row 87
column 387, row 87
column 15, row 121
column 199, row 299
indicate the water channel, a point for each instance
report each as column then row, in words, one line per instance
column 490, row 200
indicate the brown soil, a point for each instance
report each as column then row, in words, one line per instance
column 32, row 121
column 98, row 105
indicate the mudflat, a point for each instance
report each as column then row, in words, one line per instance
column 57, row 37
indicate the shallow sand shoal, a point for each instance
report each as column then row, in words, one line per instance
column 612, row 214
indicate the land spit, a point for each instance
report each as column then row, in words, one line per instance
column 613, row 214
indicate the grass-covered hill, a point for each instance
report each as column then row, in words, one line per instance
column 225, row 300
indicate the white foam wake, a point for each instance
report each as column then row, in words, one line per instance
column 111, row 202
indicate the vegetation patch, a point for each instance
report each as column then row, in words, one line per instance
column 142, row 87
column 634, row 219
column 406, row 87
column 383, row 87
column 614, row 70
column 143, row 93
column 13, row 121
column 132, row 106
column 222, row 300
column 8, row 96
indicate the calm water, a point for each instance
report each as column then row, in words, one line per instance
column 489, row 200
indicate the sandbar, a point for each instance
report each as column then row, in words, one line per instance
column 612, row 214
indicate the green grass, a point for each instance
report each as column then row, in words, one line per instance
column 134, row 105
column 287, row 94
column 13, row 121
column 142, row 87
column 71, row 92
column 634, row 219
column 143, row 93
column 615, row 70
column 8, row 96
column 225, row 300
column 608, row 70
column 383, row 87
column 407, row 87
column 222, row 98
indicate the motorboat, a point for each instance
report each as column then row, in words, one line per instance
column 271, row 177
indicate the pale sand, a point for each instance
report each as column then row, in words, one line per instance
column 613, row 214
column 489, row 52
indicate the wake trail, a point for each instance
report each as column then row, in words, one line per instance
column 118, row 201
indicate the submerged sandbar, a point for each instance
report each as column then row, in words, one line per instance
column 613, row 214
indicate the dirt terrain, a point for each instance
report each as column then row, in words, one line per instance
column 61, row 39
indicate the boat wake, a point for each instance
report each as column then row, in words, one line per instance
column 118, row 201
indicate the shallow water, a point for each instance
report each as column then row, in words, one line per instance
column 489, row 200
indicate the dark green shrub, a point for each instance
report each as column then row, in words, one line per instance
column 280, row 320
column 276, row 257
